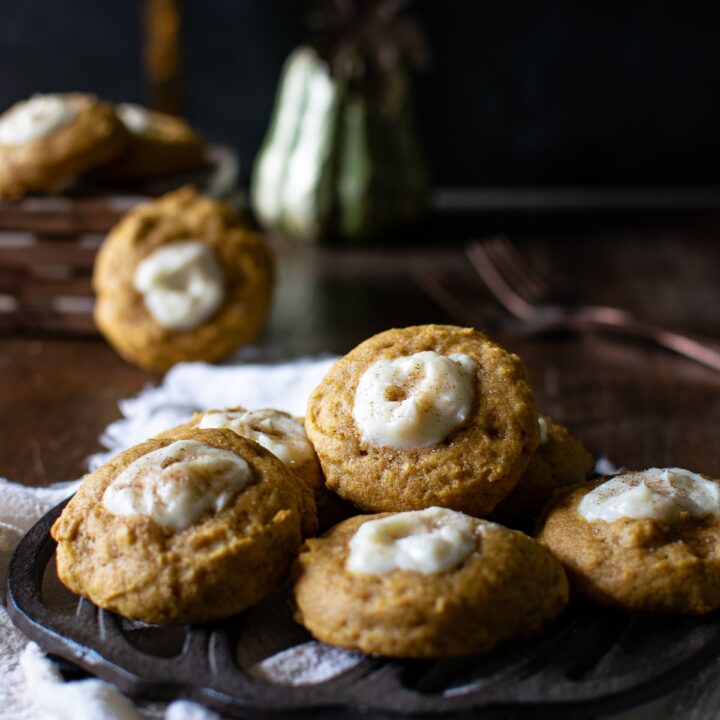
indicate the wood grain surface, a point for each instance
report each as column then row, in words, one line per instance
column 636, row 404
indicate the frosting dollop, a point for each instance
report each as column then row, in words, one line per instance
column 134, row 117
column 276, row 431
column 181, row 283
column 178, row 484
column 35, row 118
column 543, row 425
column 656, row 493
column 414, row 401
column 427, row 541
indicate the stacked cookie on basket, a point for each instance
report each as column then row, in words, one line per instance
column 49, row 140
column 425, row 439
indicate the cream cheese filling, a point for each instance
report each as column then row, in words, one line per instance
column 178, row 484
column 427, row 541
column 542, row 424
column 134, row 117
column 414, row 401
column 181, row 283
column 278, row 432
column 35, row 118
column 656, row 493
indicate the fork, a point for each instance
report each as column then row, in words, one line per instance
column 523, row 293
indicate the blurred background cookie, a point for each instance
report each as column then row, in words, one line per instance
column 160, row 145
column 48, row 140
column 181, row 278
column 642, row 541
column 423, row 584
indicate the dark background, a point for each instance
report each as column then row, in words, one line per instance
column 521, row 92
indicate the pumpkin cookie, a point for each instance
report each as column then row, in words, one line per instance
column 284, row 436
column 160, row 145
column 181, row 278
column 423, row 584
column 183, row 530
column 48, row 140
column 560, row 460
column 641, row 541
column 421, row 416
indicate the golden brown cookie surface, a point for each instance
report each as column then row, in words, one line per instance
column 471, row 469
column 284, row 436
column 160, row 144
column 507, row 586
column 242, row 273
column 48, row 140
column 669, row 565
column 560, row 460
column 221, row 563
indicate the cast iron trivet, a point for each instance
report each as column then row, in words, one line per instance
column 590, row 661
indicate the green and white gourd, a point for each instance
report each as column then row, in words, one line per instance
column 330, row 166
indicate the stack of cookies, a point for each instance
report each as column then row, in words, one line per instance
column 49, row 140
column 426, row 440
column 430, row 429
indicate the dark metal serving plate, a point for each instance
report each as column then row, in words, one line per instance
column 589, row 661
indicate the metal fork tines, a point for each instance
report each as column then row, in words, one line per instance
column 436, row 284
column 523, row 293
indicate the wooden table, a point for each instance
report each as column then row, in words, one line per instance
column 636, row 404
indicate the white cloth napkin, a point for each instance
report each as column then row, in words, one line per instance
column 30, row 685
